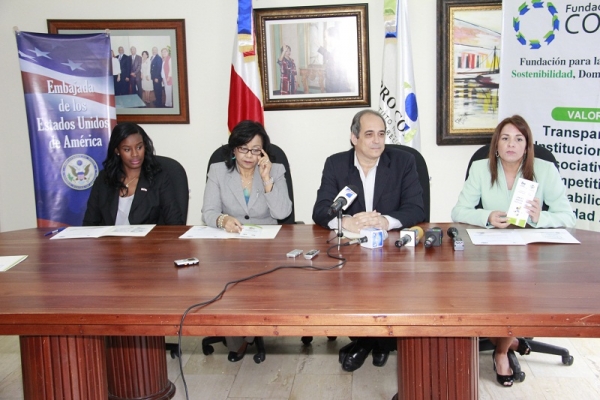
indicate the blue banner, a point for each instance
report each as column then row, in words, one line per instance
column 69, row 97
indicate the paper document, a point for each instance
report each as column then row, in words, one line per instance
column 82, row 232
column 7, row 262
column 519, row 236
column 517, row 212
column 248, row 232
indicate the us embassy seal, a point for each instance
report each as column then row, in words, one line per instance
column 79, row 171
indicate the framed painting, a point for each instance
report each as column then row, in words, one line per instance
column 313, row 57
column 468, row 70
column 149, row 66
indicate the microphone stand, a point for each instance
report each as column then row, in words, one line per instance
column 340, row 233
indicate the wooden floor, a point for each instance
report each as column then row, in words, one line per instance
column 294, row 371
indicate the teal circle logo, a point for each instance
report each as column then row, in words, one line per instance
column 545, row 36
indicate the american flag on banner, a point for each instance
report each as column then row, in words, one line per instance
column 68, row 90
column 398, row 99
column 245, row 91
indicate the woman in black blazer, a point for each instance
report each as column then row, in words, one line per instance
column 132, row 189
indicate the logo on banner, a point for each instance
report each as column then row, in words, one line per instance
column 549, row 12
column 79, row 171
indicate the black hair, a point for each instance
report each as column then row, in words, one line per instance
column 113, row 164
column 241, row 134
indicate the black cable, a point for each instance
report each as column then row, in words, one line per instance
column 230, row 283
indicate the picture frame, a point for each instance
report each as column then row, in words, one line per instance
column 315, row 39
column 468, row 70
column 134, row 103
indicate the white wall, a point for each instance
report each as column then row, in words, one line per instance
column 308, row 137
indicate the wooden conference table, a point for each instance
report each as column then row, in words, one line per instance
column 70, row 297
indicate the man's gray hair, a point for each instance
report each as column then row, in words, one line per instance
column 355, row 127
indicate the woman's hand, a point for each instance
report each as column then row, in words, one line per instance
column 498, row 219
column 231, row 225
column 534, row 210
column 264, row 169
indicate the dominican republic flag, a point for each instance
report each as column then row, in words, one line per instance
column 70, row 106
column 245, row 91
column 398, row 99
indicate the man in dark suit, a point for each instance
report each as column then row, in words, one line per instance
column 155, row 75
column 135, row 81
column 125, row 62
column 389, row 197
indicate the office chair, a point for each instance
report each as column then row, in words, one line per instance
column 538, row 347
column 179, row 184
column 423, row 173
column 277, row 156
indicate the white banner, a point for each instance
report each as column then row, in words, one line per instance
column 550, row 74
column 397, row 97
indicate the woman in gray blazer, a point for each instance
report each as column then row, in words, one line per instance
column 245, row 189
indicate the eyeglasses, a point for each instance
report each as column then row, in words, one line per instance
column 245, row 150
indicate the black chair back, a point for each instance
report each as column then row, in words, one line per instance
column 423, row 173
column 278, row 156
column 179, row 182
column 538, row 151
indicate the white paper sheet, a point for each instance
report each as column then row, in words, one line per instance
column 519, row 237
column 7, row 262
column 255, row 232
column 83, row 232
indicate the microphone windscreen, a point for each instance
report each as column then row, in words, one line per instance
column 452, row 232
column 419, row 232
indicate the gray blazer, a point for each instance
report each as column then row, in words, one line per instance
column 224, row 195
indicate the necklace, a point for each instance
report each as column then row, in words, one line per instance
column 127, row 184
column 125, row 190
column 246, row 184
column 247, row 187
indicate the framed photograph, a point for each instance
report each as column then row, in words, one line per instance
column 313, row 57
column 149, row 66
column 468, row 70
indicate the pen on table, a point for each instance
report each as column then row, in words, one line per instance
column 54, row 231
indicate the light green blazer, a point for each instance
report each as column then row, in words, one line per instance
column 551, row 191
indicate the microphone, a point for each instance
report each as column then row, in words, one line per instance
column 374, row 237
column 452, row 232
column 459, row 244
column 359, row 240
column 433, row 237
column 343, row 200
column 410, row 237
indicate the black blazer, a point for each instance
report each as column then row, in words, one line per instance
column 154, row 203
column 156, row 67
column 398, row 192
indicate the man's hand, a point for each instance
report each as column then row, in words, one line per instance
column 367, row 219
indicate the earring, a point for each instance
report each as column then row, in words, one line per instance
column 497, row 154
column 233, row 158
